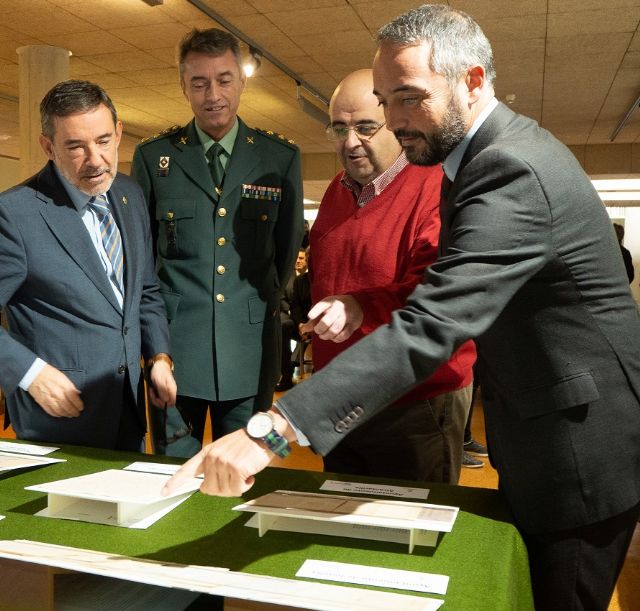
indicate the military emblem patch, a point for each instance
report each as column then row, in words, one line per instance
column 163, row 166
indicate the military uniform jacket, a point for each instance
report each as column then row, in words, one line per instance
column 222, row 260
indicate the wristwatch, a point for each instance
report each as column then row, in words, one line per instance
column 262, row 426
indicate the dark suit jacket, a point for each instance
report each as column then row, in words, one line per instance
column 221, row 279
column 61, row 307
column 300, row 299
column 530, row 268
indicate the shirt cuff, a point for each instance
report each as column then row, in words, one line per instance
column 301, row 438
column 32, row 373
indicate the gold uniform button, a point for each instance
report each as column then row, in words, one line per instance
column 222, row 212
column 221, row 241
column 263, row 217
column 221, row 269
column 220, row 297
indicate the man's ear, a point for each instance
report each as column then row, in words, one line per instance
column 118, row 132
column 47, row 146
column 474, row 81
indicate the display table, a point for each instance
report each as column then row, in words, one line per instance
column 484, row 554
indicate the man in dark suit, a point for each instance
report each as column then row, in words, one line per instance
column 78, row 286
column 521, row 272
column 227, row 207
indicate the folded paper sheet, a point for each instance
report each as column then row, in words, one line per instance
column 10, row 461
column 212, row 580
column 359, row 517
column 26, row 448
column 114, row 497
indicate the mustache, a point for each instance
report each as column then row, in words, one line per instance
column 403, row 133
column 92, row 172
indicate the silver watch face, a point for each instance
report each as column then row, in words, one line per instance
column 259, row 425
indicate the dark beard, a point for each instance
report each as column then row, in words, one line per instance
column 438, row 145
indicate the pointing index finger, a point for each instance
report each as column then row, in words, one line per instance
column 192, row 468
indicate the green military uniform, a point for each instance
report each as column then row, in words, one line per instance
column 222, row 259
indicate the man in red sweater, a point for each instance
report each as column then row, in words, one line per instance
column 376, row 232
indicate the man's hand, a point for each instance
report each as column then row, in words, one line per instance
column 304, row 335
column 335, row 318
column 230, row 463
column 56, row 394
column 163, row 388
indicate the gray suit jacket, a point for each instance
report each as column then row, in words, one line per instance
column 530, row 268
column 61, row 308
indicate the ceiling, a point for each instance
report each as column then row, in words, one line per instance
column 573, row 65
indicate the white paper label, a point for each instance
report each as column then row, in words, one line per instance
column 381, row 490
column 374, row 576
column 26, row 448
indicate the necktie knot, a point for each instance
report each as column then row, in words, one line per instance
column 100, row 205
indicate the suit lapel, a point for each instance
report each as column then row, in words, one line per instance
column 485, row 135
column 493, row 125
column 66, row 224
column 190, row 157
column 245, row 157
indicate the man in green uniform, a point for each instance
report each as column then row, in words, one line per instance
column 227, row 204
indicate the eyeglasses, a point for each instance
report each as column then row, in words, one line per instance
column 364, row 131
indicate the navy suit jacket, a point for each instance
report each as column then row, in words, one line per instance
column 529, row 267
column 60, row 307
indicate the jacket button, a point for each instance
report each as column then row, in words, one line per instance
column 263, row 217
column 221, row 269
column 125, row 330
column 340, row 427
column 221, row 241
column 121, row 369
column 220, row 297
column 222, row 212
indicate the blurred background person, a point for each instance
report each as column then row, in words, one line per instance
column 626, row 255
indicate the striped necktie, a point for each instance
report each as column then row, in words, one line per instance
column 215, row 166
column 111, row 239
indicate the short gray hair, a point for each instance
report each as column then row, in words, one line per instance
column 69, row 97
column 213, row 42
column 457, row 41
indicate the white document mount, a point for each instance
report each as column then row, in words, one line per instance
column 114, row 497
column 348, row 516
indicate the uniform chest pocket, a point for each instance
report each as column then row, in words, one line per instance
column 173, row 216
column 259, row 211
column 254, row 227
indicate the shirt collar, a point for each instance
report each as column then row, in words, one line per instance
column 78, row 198
column 378, row 184
column 227, row 141
column 452, row 163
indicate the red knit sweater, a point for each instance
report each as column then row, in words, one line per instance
column 378, row 254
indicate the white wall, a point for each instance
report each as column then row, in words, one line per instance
column 631, row 217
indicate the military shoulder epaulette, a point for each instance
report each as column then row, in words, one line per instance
column 277, row 137
column 165, row 132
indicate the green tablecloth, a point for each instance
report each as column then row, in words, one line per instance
column 484, row 555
